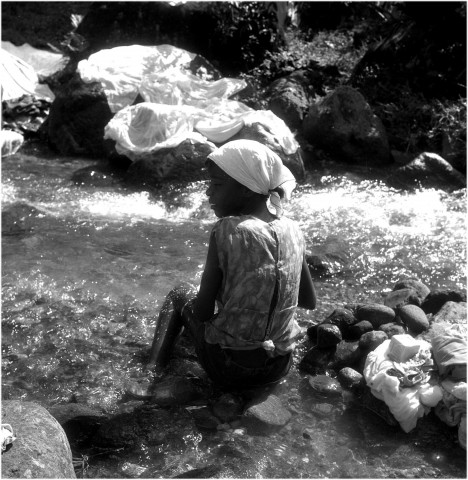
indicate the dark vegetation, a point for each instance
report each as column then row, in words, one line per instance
column 408, row 59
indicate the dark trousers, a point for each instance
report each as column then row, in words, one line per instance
column 228, row 368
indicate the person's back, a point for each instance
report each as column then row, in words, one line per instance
column 261, row 264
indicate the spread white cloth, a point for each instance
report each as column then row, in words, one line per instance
column 160, row 75
column 257, row 167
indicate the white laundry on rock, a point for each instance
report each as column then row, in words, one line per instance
column 406, row 404
column 177, row 104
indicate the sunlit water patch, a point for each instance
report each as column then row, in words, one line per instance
column 84, row 274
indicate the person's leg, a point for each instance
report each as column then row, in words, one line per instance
column 169, row 324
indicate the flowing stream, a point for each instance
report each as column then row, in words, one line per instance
column 85, row 270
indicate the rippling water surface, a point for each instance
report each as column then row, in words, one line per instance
column 85, row 270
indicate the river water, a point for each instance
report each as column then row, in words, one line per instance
column 86, row 269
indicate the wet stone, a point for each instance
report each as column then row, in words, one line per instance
column 401, row 297
column 350, row 379
column 437, row 299
column 392, row 329
column 375, row 313
column 357, row 330
column 347, row 354
column 328, row 336
column 316, row 360
column 342, row 318
column 269, row 411
column 325, row 385
column 453, row 313
column 371, row 340
column 227, row 408
column 414, row 318
column 205, row 419
column 422, row 290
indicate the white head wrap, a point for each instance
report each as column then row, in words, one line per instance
column 258, row 168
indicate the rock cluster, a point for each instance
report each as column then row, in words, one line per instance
column 341, row 342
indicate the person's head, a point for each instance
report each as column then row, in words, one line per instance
column 244, row 174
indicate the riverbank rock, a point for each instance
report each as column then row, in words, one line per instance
column 181, row 164
column 422, row 290
column 371, row 340
column 347, row 354
column 453, row 313
column 351, row 379
column 316, row 360
column 414, row 318
column 77, row 119
column 358, row 329
column 341, row 317
column 328, row 336
column 269, row 412
column 343, row 125
column 437, row 299
column 289, row 98
column 403, row 296
column 41, row 448
column 391, row 329
column 375, row 313
column 428, row 170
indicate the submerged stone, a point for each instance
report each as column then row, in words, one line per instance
column 325, row 385
column 269, row 411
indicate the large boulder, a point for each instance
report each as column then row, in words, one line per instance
column 77, row 119
column 289, row 99
column 182, row 163
column 428, row 170
column 437, row 299
column 41, row 448
column 344, row 125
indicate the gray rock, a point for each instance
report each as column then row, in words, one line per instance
column 227, row 407
column 347, row 354
column 41, row 448
column 342, row 318
column 358, row 329
column 437, row 299
column 371, row 340
column 316, row 360
column 328, row 335
column 77, row 119
column 453, row 313
column 428, row 170
column 182, row 163
column 414, row 318
column 289, row 99
column 205, row 419
column 269, row 411
column 376, row 313
column 391, row 329
column 325, row 385
column 343, row 124
column 421, row 289
column 401, row 297
column 351, row 379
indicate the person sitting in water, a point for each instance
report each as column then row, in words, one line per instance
column 242, row 319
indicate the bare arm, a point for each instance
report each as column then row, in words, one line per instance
column 307, row 297
column 210, row 284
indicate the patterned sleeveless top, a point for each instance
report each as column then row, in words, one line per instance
column 261, row 264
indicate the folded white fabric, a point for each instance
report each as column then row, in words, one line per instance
column 6, row 435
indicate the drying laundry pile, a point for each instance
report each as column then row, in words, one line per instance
column 177, row 104
column 412, row 376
